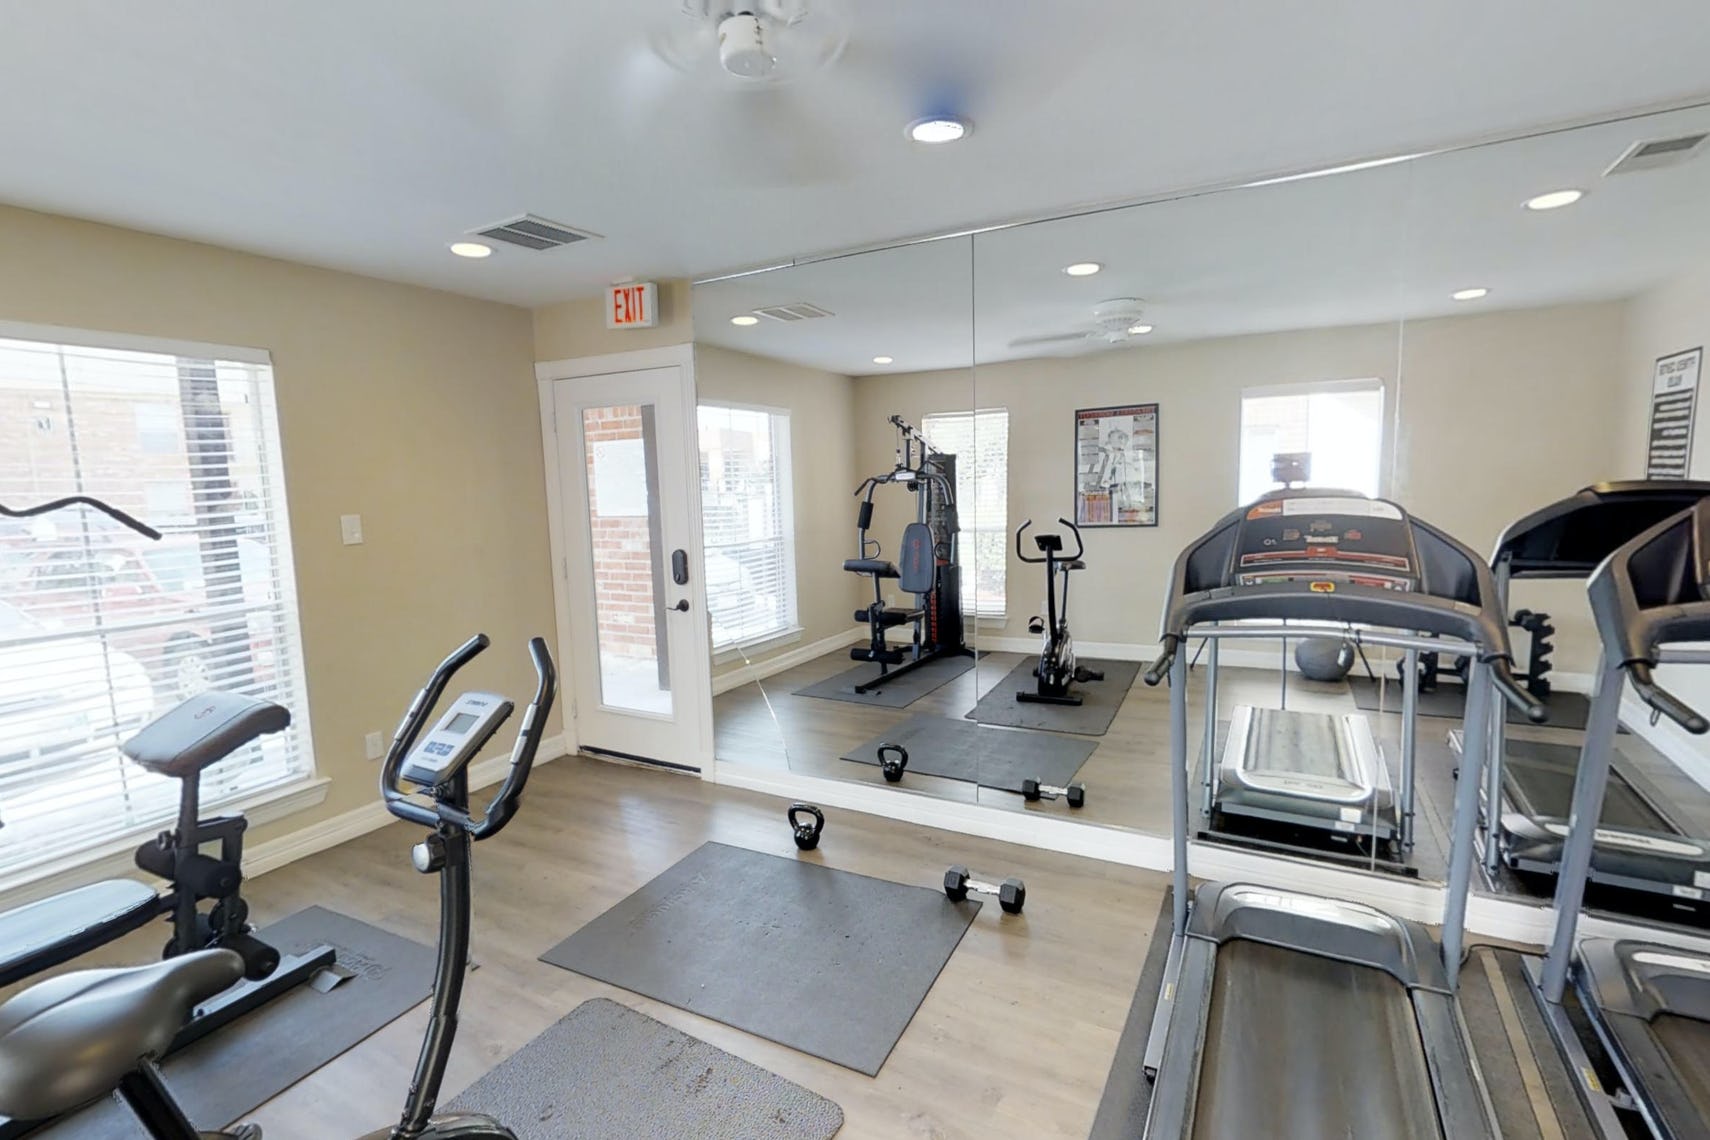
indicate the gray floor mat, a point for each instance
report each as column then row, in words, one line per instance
column 898, row 694
column 980, row 754
column 1449, row 701
column 607, row 1071
column 1100, row 700
column 828, row 962
column 1127, row 1093
column 221, row 1078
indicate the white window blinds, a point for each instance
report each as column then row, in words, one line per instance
column 980, row 442
column 748, row 523
column 1338, row 425
column 102, row 629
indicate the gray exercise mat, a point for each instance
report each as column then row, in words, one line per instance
column 607, row 1071
column 828, row 962
column 1099, row 700
column 229, row 1074
column 897, row 694
column 1449, row 700
column 1127, row 1093
column 980, row 754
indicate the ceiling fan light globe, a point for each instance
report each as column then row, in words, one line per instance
column 742, row 47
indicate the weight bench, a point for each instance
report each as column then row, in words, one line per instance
column 196, row 734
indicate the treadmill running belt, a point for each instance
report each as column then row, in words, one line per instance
column 1307, row 1048
column 1687, row 1044
column 1309, row 743
column 1546, row 777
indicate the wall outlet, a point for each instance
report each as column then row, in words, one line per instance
column 374, row 746
column 350, row 526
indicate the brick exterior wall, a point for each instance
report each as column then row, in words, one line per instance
column 623, row 568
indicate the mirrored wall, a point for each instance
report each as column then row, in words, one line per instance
column 1111, row 384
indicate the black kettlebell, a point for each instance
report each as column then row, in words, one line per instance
column 806, row 831
column 893, row 758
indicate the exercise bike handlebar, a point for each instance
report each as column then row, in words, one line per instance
column 504, row 804
column 1065, row 556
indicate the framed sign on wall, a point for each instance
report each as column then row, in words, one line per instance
column 1674, row 406
column 1116, row 466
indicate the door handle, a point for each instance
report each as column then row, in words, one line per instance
column 682, row 606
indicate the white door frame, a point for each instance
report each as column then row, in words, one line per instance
column 695, row 694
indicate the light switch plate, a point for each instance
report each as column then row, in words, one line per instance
column 374, row 746
column 351, row 527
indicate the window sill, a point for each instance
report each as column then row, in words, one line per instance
column 742, row 650
column 113, row 859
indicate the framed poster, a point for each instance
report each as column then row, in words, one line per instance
column 1116, row 466
column 1674, row 404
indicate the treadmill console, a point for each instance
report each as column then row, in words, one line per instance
column 1325, row 539
column 461, row 732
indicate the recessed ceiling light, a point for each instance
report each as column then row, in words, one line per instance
column 744, row 320
column 939, row 129
column 1554, row 200
column 471, row 249
column 1469, row 294
column 1082, row 268
column 883, row 360
column 1139, row 330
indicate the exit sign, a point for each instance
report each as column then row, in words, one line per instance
column 632, row 306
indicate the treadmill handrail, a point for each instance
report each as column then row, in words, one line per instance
column 1647, row 594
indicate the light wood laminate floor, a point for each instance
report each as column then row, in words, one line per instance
column 1014, row 1039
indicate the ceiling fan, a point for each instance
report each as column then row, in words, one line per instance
column 789, row 92
column 1114, row 322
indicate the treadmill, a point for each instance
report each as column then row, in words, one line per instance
column 1639, row 845
column 1320, row 771
column 1647, row 1003
column 1285, row 1014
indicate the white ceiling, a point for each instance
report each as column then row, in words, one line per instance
column 365, row 136
column 1374, row 245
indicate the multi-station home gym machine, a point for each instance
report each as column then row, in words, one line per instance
column 926, row 564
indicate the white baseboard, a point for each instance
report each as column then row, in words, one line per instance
column 771, row 666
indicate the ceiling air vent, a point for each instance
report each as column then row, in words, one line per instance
column 798, row 311
column 1652, row 153
column 535, row 233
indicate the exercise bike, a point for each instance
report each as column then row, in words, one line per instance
column 1056, row 670
column 79, row 1036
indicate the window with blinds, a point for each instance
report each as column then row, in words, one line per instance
column 980, row 442
column 1337, row 425
column 748, row 523
column 102, row 629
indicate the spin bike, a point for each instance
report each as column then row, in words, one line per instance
column 1056, row 670
column 79, row 1036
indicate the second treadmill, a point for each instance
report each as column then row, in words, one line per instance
column 1640, row 846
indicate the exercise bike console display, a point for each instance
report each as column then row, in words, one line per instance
column 462, row 731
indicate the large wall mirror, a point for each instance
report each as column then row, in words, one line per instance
column 835, row 410
column 1414, row 330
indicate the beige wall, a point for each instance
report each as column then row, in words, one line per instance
column 1498, row 415
column 413, row 408
column 578, row 328
column 1670, row 318
column 822, row 464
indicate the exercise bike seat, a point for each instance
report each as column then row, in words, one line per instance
column 877, row 567
column 61, row 927
column 68, row 1040
column 201, row 731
